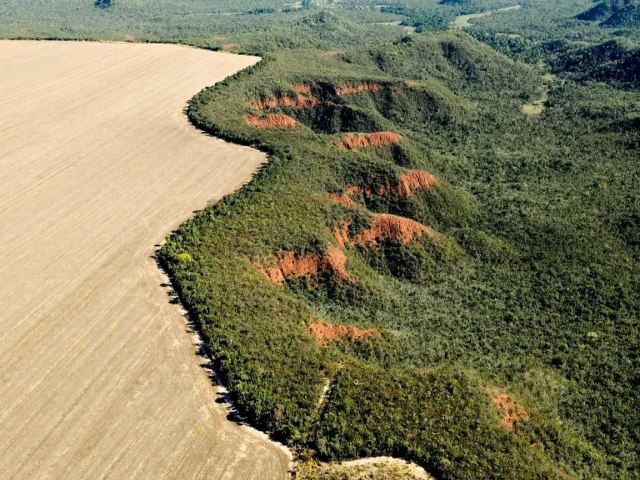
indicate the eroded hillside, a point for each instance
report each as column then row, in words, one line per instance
column 464, row 261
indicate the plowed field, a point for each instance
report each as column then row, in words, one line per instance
column 99, row 375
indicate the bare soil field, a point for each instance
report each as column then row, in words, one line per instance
column 99, row 376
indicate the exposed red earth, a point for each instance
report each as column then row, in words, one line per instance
column 325, row 333
column 384, row 225
column 300, row 101
column 274, row 121
column 288, row 265
column 415, row 180
column 354, row 141
column 511, row 412
column 341, row 199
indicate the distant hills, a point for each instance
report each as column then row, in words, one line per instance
column 626, row 17
column 612, row 61
column 614, row 13
column 599, row 12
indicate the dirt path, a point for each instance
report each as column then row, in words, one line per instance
column 99, row 377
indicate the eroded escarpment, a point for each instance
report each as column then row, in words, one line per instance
column 287, row 264
column 351, row 238
column 345, row 107
column 277, row 121
column 383, row 226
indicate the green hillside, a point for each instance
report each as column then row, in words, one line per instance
column 600, row 11
column 505, row 277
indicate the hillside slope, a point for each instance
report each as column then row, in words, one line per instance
column 460, row 275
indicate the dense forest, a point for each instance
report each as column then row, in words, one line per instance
column 440, row 260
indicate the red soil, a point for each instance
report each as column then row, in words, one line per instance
column 230, row 46
column 273, row 121
column 334, row 53
column 384, row 225
column 324, row 333
column 310, row 265
column 354, row 141
column 510, row 410
column 342, row 235
column 414, row 180
column 342, row 199
column 346, row 89
column 273, row 274
column 299, row 102
column 290, row 266
column 301, row 88
column 336, row 260
column 407, row 183
column 353, row 190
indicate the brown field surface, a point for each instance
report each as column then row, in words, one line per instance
column 99, row 376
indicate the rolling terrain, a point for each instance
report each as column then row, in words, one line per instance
column 438, row 263
column 425, row 269
column 99, row 376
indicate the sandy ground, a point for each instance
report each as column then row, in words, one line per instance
column 99, row 377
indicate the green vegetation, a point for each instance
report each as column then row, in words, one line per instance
column 533, row 260
column 524, row 290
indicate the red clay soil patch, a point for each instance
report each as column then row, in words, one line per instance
column 336, row 260
column 301, row 88
column 366, row 191
column 334, row 53
column 274, row 121
column 325, row 333
column 346, row 89
column 230, row 46
column 287, row 265
column 342, row 234
column 407, row 183
column 273, row 274
column 299, row 102
column 352, row 190
column 510, row 410
column 355, row 141
column 342, row 199
column 384, row 225
column 414, row 180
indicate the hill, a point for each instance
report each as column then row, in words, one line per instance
column 614, row 61
column 601, row 11
column 458, row 274
column 626, row 17
column 613, row 14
